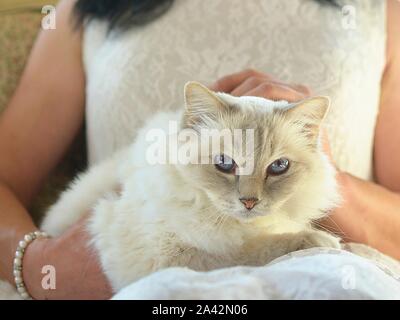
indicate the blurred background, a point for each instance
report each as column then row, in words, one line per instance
column 19, row 24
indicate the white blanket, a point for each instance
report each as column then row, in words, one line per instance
column 308, row 274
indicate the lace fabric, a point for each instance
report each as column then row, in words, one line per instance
column 134, row 74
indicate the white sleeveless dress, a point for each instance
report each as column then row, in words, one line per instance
column 131, row 76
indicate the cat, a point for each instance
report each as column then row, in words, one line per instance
column 145, row 217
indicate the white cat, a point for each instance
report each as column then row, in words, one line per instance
column 145, row 217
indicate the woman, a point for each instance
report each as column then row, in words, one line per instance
column 119, row 72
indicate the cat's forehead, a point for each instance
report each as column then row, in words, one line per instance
column 249, row 103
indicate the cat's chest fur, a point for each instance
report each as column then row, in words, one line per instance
column 157, row 221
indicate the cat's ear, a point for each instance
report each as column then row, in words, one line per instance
column 202, row 105
column 310, row 113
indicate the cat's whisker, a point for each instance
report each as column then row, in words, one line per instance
column 322, row 227
column 342, row 232
column 337, row 232
column 223, row 220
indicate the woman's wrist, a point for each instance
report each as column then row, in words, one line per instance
column 76, row 274
column 18, row 269
column 9, row 243
column 33, row 262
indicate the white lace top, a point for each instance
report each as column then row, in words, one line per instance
column 132, row 75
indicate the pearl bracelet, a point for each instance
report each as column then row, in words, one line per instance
column 19, row 256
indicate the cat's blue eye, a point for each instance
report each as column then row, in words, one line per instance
column 225, row 164
column 278, row 167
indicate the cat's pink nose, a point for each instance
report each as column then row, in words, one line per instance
column 249, row 203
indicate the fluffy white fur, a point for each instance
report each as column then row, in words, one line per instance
column 147, row 217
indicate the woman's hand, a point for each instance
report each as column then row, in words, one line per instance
column 78, row 274
column 254, row 83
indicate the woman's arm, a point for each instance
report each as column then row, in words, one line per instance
column 387, row 134
column 36, row 129
column 371, row 212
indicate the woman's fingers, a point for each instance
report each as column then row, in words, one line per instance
column 302, row 88
column 247, row 85
column 274, row 91
column 229, row 83
column 253, row 83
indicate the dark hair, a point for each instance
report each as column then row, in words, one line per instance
column 121, row 13
column 125, row 13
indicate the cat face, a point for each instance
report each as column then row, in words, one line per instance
column 277, row 168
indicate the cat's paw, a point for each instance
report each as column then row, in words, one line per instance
column 314, row 239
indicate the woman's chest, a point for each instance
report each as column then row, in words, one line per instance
column 135, row 74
